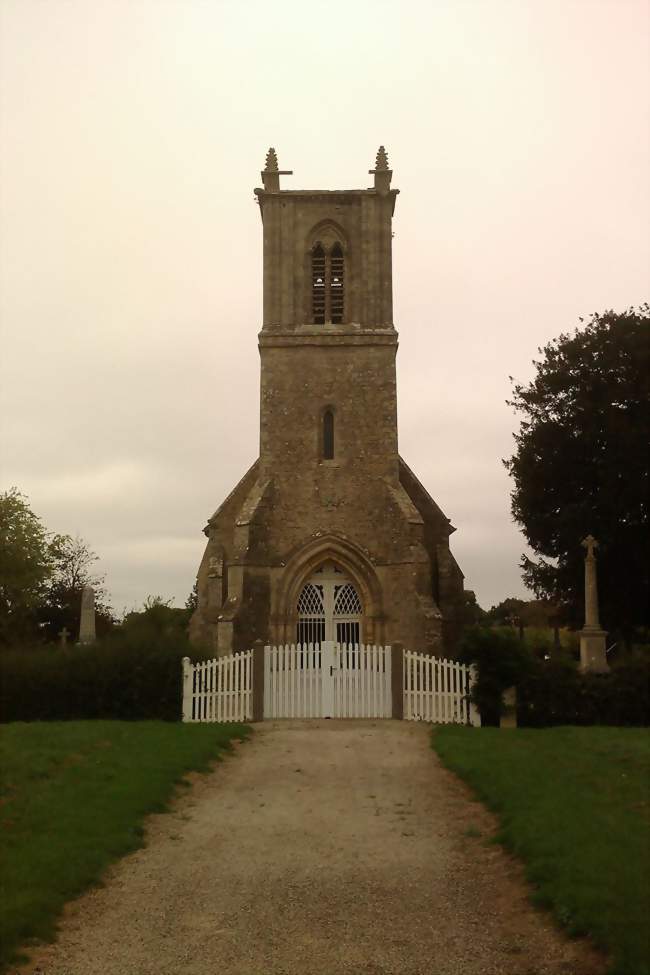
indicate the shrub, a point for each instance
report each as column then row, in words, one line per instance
column 501, row 660
column 549, row 694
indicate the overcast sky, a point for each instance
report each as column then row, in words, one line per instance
column 133, row 133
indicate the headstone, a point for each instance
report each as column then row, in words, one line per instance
column 63, row 636
column 593, row 657
column 87, row 621
column 508, row 717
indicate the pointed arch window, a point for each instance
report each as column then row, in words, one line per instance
column 329, row 607
column 328, row 435
column 327, row 284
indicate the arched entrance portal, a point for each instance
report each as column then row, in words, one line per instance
column 329, row 608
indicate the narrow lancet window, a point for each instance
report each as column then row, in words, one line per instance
column 336, row 284
column 328, row 435
column 318, row 290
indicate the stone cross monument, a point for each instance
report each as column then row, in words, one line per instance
column 87, row 621
column 593, row 657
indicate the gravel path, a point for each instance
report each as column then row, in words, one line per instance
column 321, row 848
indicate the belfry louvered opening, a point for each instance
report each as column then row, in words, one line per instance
column 318, row 284
column 336, row 284
column 327, row 285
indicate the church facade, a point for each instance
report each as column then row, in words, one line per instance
column 329, row 535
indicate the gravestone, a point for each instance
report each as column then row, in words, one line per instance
column 593, row 657
column 508, row 718
column 87, row 621
column 63, row 636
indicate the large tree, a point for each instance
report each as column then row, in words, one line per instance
column 581, row 466
column 26, row 564
column 472, row 612
column 41, row 578
column 73, row 568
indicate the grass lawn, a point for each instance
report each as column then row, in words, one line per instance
column 574, row 804
column 73, row 796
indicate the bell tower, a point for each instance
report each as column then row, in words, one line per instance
column 329, row 511
column 328, row 344
column 327, row 253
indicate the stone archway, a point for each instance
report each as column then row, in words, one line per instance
column 355, row 568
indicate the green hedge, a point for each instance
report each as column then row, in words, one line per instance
column 553, row 691
column 556, row 693
column 129, row 676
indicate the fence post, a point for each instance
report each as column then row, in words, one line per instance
column 187, row 689
column 397, row 680
column 474, row 714
column 258, row 681
column 508, row 717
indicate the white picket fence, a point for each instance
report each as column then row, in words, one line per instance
column 328, row 681
column 437, row 690
column 220, row 689
column 331, row 680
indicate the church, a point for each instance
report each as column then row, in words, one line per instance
column 329, row 535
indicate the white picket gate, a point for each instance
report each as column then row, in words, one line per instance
column 330, row 680
column 220, row 689
column 437, row 690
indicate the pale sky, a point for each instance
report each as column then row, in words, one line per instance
column 132, row 135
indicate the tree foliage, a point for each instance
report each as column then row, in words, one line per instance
column 73, row 569
column 581, row 466
column 527, row 612
column 41, row 578
column 156, row 619
column 26, row 564
column 472, row 612
column 192, row 601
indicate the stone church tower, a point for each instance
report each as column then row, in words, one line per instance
column 329, row 535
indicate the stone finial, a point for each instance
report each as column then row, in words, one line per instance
column 271, row 174
column 381, row 172
column 381, row 161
